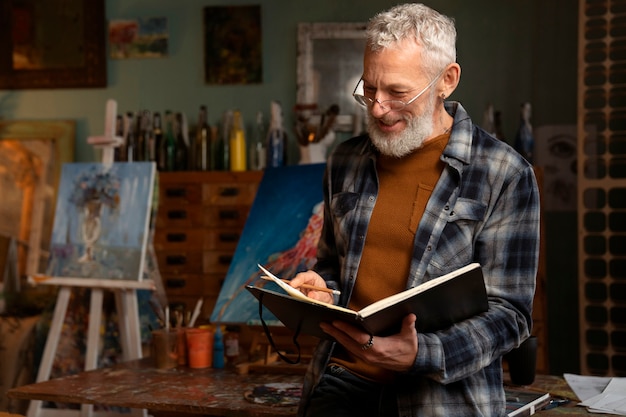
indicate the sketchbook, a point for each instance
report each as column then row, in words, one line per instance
column 438, row 304
column 521, row 402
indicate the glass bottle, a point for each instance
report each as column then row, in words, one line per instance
column 131, row 139
column 120, row 151
column 139, row 137
column 157, row 133
column 149, row 152
column 237, row 144
column 182, row 146
column 222, row 156
column 258, row 154
column 169, row 144
column 203, row 142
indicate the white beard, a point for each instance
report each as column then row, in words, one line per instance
column 418, row 129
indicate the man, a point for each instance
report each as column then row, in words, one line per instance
column 422, row 194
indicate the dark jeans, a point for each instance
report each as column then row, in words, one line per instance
column 342, row 394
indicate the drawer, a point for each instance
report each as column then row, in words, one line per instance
column 183, row 284
column 193, row 284
column 228, row 193
column 194, row 262
column 177, row 194
column 222, row 239
column 217, row 262
column 180, row 262
column 179, row 239
column 179, row 215
column 197, row 239
column 225, row 216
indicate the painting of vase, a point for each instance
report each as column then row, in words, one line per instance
column 281, row 233
column 102, row 221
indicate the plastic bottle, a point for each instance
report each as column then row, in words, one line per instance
column 231, row 344
column 258, row 154
column 218, row 349
column 237, row 144
column 276, row 138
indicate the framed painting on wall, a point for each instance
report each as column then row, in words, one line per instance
column 138, row 38
column 31, row 155
column 232, row 45
column 49, row 44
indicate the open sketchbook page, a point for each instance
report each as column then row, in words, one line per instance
column 296, row 293
column 393, row 299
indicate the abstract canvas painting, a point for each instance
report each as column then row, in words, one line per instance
column 138, row 38
column 102, row 221
column 281, row 233
column 232, row 45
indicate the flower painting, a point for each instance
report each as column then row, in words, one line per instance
column 101, row 223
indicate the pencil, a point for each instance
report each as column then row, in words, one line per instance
column 307, row 286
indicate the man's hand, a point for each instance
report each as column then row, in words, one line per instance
column 312, row 278
column 396, row 352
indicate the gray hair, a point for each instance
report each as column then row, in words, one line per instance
column 430, row 29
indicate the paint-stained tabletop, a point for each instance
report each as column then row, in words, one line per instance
column 139, row 384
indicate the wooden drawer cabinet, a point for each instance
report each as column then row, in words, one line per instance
column 199, row 222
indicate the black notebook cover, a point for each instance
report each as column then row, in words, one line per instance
column 436, row 308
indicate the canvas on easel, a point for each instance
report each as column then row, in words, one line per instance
column 281, row 233
column 96, row 248
column 101, row 222
column 100, row 241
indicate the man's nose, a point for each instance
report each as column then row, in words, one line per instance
column 378, row 108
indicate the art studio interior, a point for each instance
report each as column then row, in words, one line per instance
column 153, row 153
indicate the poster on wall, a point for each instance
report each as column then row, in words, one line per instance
column 555, row 152
column 232, row 45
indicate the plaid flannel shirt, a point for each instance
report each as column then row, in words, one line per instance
column 485, row 209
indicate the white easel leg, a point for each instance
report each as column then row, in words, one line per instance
column 93, row 340
column 130, row 330
column 50, row 349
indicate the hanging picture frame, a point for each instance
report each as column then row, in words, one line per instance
column 233, row 45
column 46, row 46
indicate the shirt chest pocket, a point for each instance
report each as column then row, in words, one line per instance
column 455, row 247
column 465, row 210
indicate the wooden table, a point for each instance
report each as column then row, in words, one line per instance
column 175, row 392
column 180, row 391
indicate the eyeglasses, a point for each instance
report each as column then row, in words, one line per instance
column 389, row 105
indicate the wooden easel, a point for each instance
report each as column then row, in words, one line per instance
column 125, row 300
column 130, row 337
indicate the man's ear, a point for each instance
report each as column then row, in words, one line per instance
column 450, row 79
